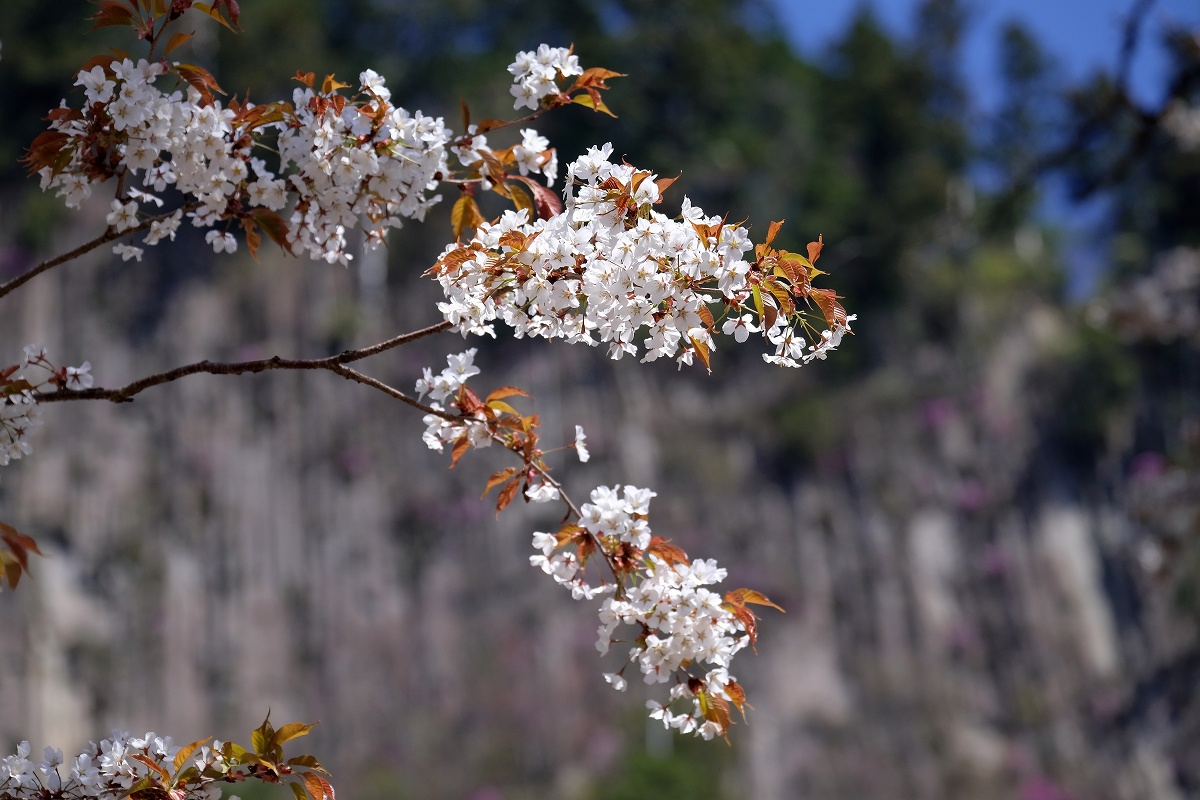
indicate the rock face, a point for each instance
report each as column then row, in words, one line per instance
column 962, row 619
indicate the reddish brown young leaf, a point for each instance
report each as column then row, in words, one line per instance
column 253, row 237
column 704, row 231
column 231, row 7
column 468, row 401
column 706, row 317
column 307, row 761
column 827, row 301
column 306, row 78
column 331, row 84
column 506, row 391
column 152, row 764
column 769, row 315
column 495, row 169
column 748, row 620
column 795, row 270
column 200, row 79
column 466, row 113
column 772, row 231
column 176, row 41
column 464, row 215
column 546, row 201
column 20, row 545
column 452, row 260
column 214, row 10
column 12, row 570
column 594, row 78
column 570, row 532
column 778, row 291
column 743, row 596
column 498, row 478
column 113, row 12
column 665, row 183
column 585, row 550
column 507, row 494
column 737, row 695
column 702, row 352
column 666, row 551
column 315, row 786
column 252, row 116
column 461, row 445
column 274, row 226
column 45, row 151
column 814, row 248
column 489, row 124
column 638, row 179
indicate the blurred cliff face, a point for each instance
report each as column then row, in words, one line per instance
column 979, row 515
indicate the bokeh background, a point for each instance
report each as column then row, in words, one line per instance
column 981, row 514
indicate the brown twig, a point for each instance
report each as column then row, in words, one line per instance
column 108, row 236
column 334, row 364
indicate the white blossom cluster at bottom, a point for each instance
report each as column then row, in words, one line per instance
column 682, row 623
column 109, row 770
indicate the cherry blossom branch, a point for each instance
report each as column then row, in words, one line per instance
column 109, row 235
column 333, row 363
column 391, row 391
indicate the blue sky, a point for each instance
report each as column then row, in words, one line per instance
column 1084, row 35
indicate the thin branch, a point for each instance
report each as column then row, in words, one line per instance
column 391, row 391
column 332, row 363
column 108, row 236
column 351, row 356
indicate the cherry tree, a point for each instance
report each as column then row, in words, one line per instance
column 592, row 261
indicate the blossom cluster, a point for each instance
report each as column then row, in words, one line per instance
column 655, row 588
column 611, row 270
column 20, row 414
column 682, row 623
column 372, row 163
column 341, row 164
column 438, row 430
column 535, row 73
column 110, row 769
